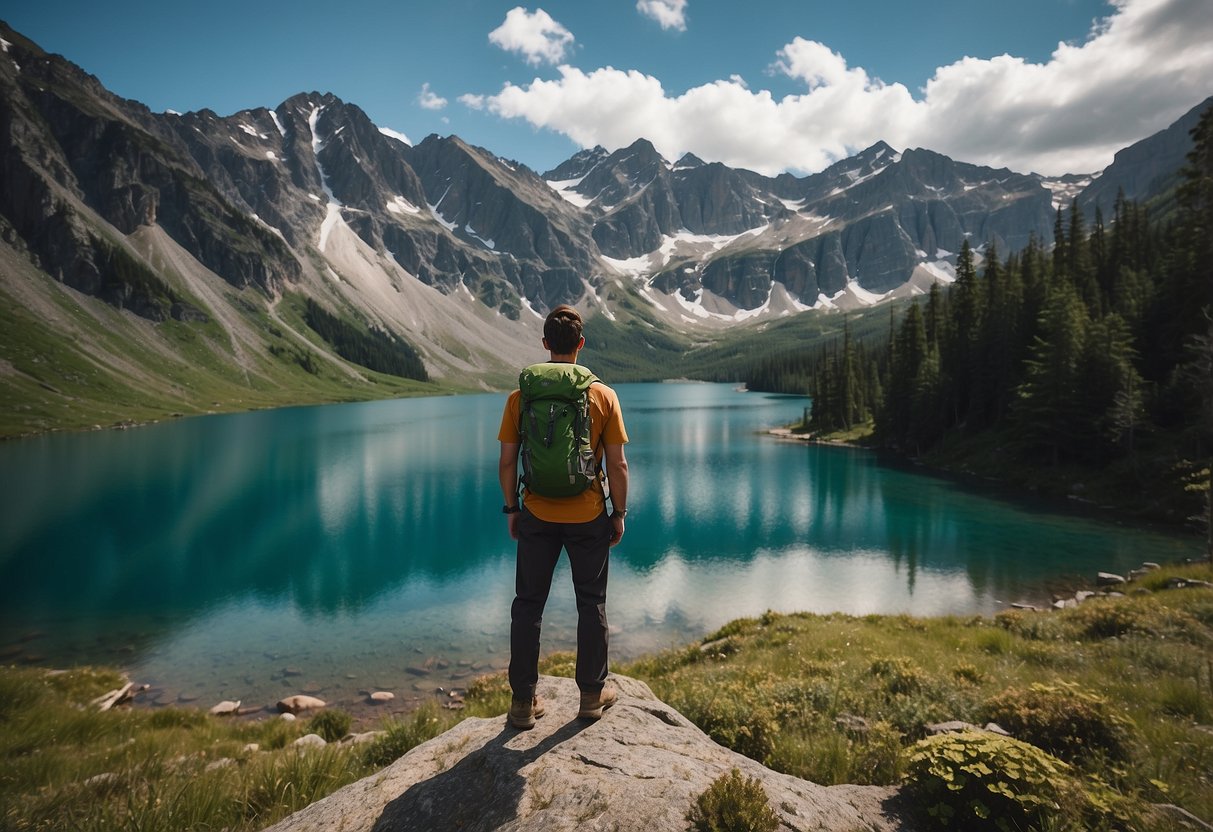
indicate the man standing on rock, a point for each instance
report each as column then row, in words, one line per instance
column 567, row 426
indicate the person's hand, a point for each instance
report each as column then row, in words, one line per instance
column 616, row 529
column 511, row 522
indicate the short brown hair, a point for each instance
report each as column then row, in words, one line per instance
column 562, row 329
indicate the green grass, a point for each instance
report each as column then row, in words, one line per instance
column 99, row 367
column 786, row 689
column 68, row 767
column 1119, row 687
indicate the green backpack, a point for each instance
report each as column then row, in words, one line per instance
column 557, row 458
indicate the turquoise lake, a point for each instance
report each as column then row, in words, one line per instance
column 353, row 547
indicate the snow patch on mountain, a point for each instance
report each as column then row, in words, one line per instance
column 400, row 205
column 333, row 215
column 489, row 244
column 268, row 227
column 397, row 135
column 565, row 187
column 1067, row 188
column 941, row 270
column 443, row 221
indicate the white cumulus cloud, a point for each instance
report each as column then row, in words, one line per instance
column 430, row 100
column 671, row 14
column 533, row 35
column 1138, row 70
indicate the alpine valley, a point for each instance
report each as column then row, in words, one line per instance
column 154, row 264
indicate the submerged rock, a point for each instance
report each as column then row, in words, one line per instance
column 296, row 704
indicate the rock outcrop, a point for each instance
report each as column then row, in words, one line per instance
column 639, row 768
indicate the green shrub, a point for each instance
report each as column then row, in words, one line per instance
column 995, row 642
column 968, row 673
column 876, row 758
column 332, row 724
column 1064, row 720
column 1112, row 618
column 735, row 714
column 1029, row 625
column 401, row 737
column 980, row 781
column 733, row 803
column 899, row 676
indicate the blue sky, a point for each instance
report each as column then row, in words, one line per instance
column 1048, row 85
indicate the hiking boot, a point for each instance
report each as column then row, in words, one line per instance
column 523, row 714
column 593, row 704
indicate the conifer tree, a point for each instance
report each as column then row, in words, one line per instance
column 1048, row 408
column 909, row 355
column 1079, row 268
column 962, row 358
column 1109, row 385
column 1061, row 259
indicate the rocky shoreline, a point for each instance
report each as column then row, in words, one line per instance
column 370, row 706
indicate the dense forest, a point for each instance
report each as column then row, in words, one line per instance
column 372, row 349
column 1095, row 350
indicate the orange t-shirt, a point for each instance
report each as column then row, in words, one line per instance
column 606, row 428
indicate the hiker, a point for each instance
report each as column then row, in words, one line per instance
column 563, row 506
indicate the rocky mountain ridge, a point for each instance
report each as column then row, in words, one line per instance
column 452, row 248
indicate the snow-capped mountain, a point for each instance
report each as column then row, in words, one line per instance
column 201, row 217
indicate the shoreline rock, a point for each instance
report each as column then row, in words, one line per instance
column 639, row 768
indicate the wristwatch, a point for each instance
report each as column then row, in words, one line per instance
column 619, row 512
column 511, row 509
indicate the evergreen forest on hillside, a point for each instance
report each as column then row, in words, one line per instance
column 1097, row 352
column 373, row 349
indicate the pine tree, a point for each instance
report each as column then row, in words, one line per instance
column 1061, row 259
column 1048, row 408
column 961, row 361
column 908, row 356
column 1109, row 384
column 1079, row 268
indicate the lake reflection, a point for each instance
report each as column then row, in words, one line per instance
column 366, row 540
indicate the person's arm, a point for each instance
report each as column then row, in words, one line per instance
column 507, row 474
column 617, row 476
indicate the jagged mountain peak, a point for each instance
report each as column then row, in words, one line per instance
column 311, row 196
column 308, row 100
column 689, row 161
column 577, row 165
column 642, row 152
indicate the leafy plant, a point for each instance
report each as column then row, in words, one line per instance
column 733, row 803
column 985, row 781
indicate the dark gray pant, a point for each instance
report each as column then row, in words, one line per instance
column 539, row 545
